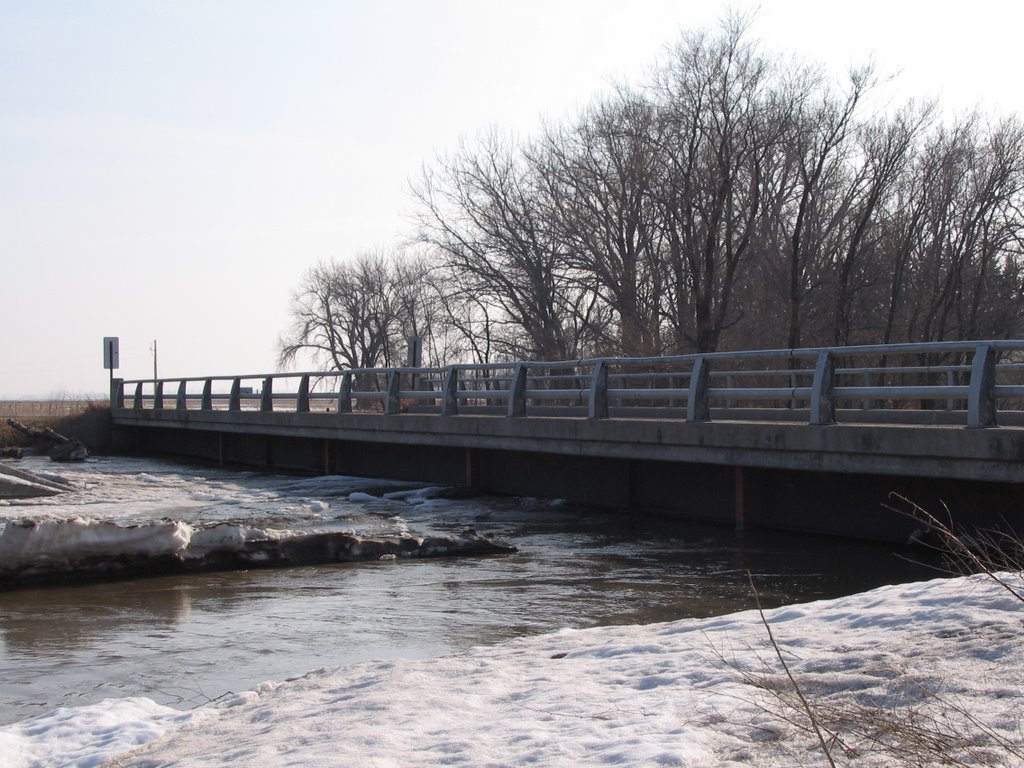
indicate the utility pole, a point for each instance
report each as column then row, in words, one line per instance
column 153, row 350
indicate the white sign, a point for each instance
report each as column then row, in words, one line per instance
column 110, row 353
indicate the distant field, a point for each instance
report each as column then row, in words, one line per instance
column 40, row 413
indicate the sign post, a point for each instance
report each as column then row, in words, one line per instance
column 111, row 358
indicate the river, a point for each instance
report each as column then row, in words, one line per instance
column 186, row 640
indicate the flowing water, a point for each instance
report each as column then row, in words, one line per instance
column 186, row 640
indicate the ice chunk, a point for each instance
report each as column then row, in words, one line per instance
column 27, row 542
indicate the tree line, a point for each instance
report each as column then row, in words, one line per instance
column 734, row 200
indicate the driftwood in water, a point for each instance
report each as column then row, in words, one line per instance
column 72, row 450
column 52, row 443
column 34, row 432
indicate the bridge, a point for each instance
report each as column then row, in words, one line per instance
column 810, row 439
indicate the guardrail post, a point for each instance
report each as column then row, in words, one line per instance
column 302, row 400
column 345, row 394
column 117, row 393
column 516, row 392
column 137, row 400
column 981, row 401
column 158, row 395
column 697, row 407
column 206, row 404
column 673, row 383
column 823, row 407
column 267, row 396
column 235, row 398
column 598, row 408
column 181, row 401
column 392, row 404
column 450, row 392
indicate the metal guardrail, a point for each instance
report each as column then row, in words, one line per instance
column 973, row 380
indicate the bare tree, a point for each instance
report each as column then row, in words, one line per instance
column 733, row 201
column 351, row 314
column 486, row 215
column 463, row 323
column 719, row 124
column 885, row 149
column 600, row 177
column 819, row 143
column 971, row 231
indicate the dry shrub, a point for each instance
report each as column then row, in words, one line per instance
column 919, row 725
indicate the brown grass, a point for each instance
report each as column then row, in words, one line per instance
column 59, row 414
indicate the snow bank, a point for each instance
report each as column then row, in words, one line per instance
column 36, row 543
column 87, row 736
column 675, row 694
column 227, row 537
column 36, row 551
column 35, row 548
column 30, row 542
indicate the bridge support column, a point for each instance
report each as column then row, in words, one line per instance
column 738, row 495
column 745, row 497
column 472, row 474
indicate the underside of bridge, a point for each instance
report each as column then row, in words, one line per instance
column 775, row 476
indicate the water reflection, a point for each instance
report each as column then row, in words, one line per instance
column 79, row 618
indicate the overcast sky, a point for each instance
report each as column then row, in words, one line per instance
column 168, row 170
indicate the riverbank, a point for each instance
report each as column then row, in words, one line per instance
column 874, row 666
column 185, row 639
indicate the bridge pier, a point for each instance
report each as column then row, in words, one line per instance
column 741, row 501
column 472, row 476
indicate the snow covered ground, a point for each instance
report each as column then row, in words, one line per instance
column 685, row 693
column 128, row 491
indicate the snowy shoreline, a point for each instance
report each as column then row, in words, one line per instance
column 679, row 693
column 47, row 552
column 103, row 528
